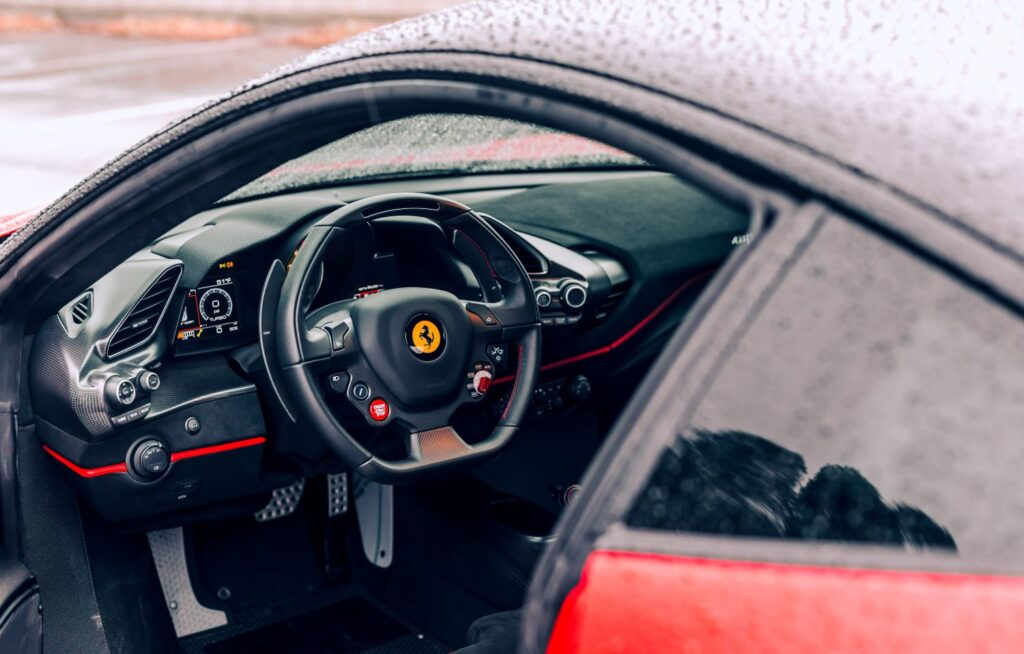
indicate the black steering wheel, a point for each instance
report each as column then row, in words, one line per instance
column 408, row 357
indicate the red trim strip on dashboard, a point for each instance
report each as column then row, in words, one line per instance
column 116, row 468
column 216, row 449
column 88, row 473
column 621, row 340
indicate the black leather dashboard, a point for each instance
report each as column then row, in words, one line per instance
column 607, row 252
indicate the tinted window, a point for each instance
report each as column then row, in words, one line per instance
column 874, row 399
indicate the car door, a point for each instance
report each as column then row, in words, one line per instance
column 826, row 459
column 21, row 628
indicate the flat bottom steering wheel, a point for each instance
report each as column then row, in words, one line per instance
column 407, row 357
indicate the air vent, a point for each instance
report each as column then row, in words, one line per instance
column 611, row 302
column 81, row 309
column 533, row 264
column 533, row 261
column 619, row 279
column 139, row 325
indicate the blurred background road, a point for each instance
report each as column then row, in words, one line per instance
column 79, row 87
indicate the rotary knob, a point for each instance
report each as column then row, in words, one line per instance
column 482, row 381
column 150, row 459
column 574, row 295
column 579, row 388
column 120, row 392
column 543, row 298
column 148, row 381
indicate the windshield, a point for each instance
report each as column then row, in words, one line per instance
column 438, row 144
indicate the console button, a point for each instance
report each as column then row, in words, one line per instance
column 360, row 391
column 338, row 381
column 497, row 353
column 192, row 425
column 189, row 485
column 183, row 491
column 379, row 410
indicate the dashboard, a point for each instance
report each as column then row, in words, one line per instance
column 151, row 389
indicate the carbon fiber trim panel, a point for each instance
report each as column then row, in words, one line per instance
column 67, row 373
column 193, row 380
column 442, row 444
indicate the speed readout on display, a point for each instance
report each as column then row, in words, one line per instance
column 209, row 310
column 215, row 305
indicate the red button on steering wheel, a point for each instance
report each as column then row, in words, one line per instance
column 379, row 410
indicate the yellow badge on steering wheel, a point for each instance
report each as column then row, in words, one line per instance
column 425, row 338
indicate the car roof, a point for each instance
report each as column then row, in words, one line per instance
column 926, row 98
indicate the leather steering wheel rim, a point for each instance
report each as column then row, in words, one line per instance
column 307, row 345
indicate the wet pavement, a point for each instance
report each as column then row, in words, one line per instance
column 71, row 102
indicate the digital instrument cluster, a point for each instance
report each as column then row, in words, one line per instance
column 211, row 312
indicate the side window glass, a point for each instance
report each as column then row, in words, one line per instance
column 873, row 400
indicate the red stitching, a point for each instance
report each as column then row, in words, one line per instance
column 482, row 253
column 515, row 386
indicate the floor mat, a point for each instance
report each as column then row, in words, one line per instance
column 352, row 626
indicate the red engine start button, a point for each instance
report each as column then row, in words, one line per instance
column 379, row 410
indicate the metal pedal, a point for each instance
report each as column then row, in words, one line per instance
column 187, row 614
column 337, row 494
column 283, row 502
column 375, row 514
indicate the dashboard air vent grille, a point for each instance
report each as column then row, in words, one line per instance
column 82, row 309
column 533, row 261
column 611, row 302
column 138, row 326
column 619, row 278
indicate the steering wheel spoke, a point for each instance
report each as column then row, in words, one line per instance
column 438, row 445
column 334, row 324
